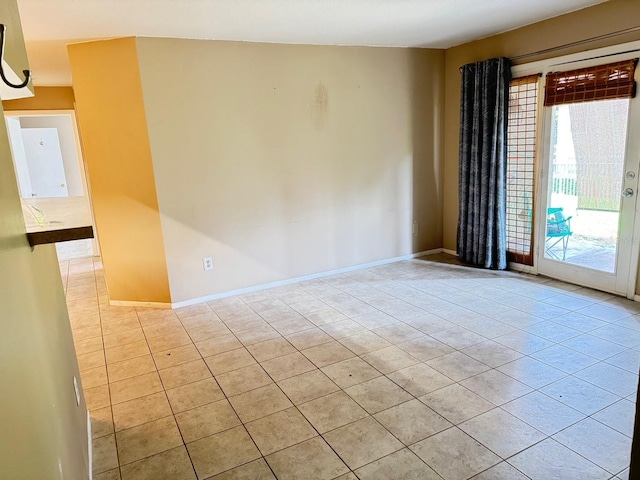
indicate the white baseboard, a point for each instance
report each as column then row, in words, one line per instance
column 281, row 283
column 120, row 303
column 450, row 252
column 90, row 444
column 264, row 286
column 636, row 298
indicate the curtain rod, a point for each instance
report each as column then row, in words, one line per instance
column 574, row 44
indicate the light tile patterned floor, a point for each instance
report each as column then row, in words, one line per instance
column 417, row 369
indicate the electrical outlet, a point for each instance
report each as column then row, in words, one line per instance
column 207, row 263
column 415, row 227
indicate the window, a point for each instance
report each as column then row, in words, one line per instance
column 521, row 154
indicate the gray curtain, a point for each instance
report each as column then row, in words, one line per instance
column 483, row 163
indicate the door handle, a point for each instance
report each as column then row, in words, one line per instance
column 628, row 192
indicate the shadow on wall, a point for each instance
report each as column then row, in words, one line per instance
column 428, row 138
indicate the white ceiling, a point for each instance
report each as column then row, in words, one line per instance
column 49, row 24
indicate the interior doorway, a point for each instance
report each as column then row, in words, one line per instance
column 50, row 172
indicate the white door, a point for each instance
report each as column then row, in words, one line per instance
column 589, row 188
column 44, row 159
column 19, row 157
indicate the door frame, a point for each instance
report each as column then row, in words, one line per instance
column 74, row 125
column 81, row 162
column 570, row 62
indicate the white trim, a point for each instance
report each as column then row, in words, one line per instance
column 90, row 443
column 636, row 298
column 450, row 252
column 125, row 303
column 280, row 283
column 632, row 162
column 582, row 283
column 575, row 60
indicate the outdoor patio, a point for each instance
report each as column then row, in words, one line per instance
column 593, row 242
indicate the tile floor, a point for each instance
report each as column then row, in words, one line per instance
column 421, row 369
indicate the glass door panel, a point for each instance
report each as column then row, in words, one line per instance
column 588, row 143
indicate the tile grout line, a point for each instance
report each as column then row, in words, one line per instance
column 369, row 415
column 293, row 406
column 396, row 320
column 115, row 437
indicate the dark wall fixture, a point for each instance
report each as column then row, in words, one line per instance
column 27, row 73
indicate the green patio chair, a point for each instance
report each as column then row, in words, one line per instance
column 558, row 231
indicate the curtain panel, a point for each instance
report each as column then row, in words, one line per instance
column 483, row 163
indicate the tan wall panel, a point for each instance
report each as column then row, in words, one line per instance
column 44, row 431
column 115, row 143
column 286, row 160
column 46, row 98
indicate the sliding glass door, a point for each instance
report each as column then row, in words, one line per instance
column 589, row 181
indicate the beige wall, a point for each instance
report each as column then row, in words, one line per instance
column 46, row 98
column 112, row 124
column 283, row 160
column 602, row 19
column 43, row 431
